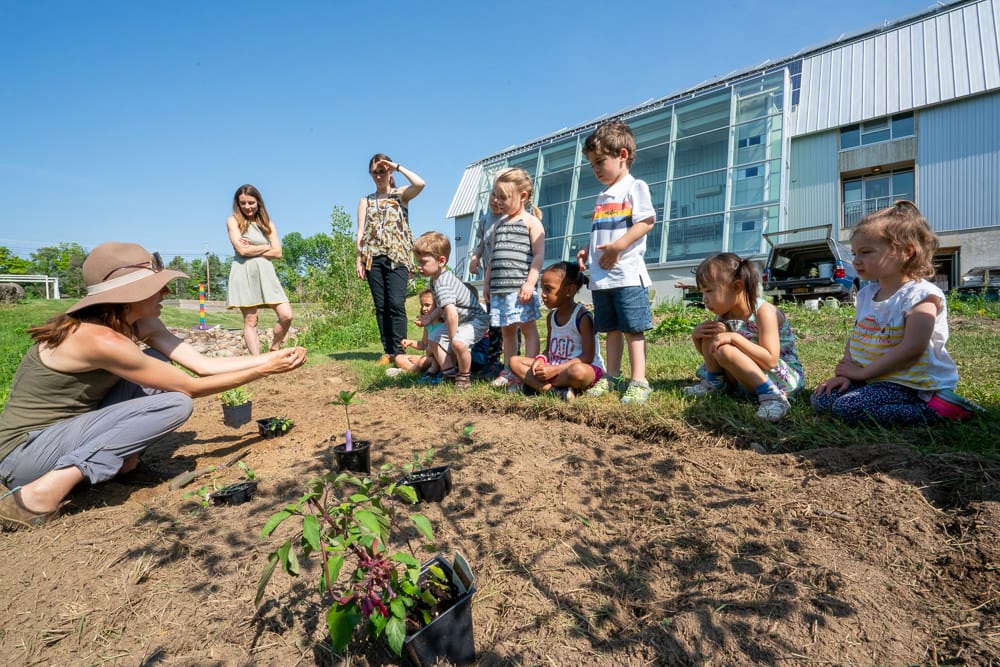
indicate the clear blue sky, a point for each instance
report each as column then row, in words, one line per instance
column 136, row 121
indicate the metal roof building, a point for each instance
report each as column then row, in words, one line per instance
column 907, row 110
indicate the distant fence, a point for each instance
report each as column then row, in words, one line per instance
column 34, row 278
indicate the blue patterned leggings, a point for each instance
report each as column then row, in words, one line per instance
column 882, row 403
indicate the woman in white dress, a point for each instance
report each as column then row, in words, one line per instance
column 253, row 281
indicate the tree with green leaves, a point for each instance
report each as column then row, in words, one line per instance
column 64, row 261
column 11, row 263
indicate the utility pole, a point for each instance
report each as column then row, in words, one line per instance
column 208, row 281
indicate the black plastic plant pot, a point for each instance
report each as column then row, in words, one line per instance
column 431, row 485
column 234, row 494
column 235, row 416
column 358, row 459
column 264, row 427
column 449, row 636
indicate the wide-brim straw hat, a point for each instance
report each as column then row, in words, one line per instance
column 122, row 273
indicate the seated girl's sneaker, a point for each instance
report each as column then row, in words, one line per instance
column 605, row 385
column 505, row 378
column 703, row 388
column 949, row 405
column 773, row 407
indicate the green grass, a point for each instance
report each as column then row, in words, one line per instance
column 672, row 360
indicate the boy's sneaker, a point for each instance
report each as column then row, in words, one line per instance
column 637, row 393
column 773, row 407
column 565, row 393
column 605, row 385
column 703, row 388
column 505, row 378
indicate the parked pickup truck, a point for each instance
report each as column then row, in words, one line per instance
column 808, row 263
column 980, row 281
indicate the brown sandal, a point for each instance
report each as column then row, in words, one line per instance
column 14, row 515
column 462, row 382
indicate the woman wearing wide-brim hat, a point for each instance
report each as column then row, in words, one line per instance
column 86, row 401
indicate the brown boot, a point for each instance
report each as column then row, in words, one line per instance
column 14, row 515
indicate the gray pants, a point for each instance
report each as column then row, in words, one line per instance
column 129, row 420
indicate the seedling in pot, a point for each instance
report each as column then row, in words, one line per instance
column 350, row 523
column 346, row 399
column 235, row 396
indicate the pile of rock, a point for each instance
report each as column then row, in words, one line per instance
column 219, row 342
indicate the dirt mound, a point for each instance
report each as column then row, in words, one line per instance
column 590, row 547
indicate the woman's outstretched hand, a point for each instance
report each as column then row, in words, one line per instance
column 284, row 360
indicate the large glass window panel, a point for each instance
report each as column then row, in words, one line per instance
column 704, row 114
column 761, row 97
column 527, row 161
column 757, row 140
column 652, row 129
column 651, row 164
column 698, row 195
column 558, row 156
column 588, row 186
column 748, row 184
column 577, row 243
column 694, row 238
column 902, row 185
column 902, row 125
column 705, row 152
column 756, row 183
column 554, row 188
column 875, row 131
column 655, row 237
column 747, row 226
column 654, row 242
column 750, row 142
column 553, row 249
column 554, row 219
column 850, row 136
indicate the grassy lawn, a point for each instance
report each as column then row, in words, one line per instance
column 975, row 337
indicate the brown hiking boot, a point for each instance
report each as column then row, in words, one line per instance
column 14, row 515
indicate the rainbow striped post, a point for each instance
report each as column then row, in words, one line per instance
column 201, row 309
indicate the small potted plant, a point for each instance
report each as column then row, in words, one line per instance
column 236, row 406
column 272, row 427
column 238, row 492
column 353, row 455
column 431, row 484
column 423, row 609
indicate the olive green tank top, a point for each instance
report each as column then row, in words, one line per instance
column 40, row 397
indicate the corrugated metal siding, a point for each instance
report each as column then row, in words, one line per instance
column 813, row 182
column 464, row 201
column 958, row 164
column 951, row 55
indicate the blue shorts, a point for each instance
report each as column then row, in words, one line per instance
column 624, row 309
column 505, row 309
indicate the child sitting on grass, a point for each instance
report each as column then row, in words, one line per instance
column 420, row 363
column 750, row 344
column 572, row 362
column 895, row 370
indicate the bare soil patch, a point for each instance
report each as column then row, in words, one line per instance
column 591, row 546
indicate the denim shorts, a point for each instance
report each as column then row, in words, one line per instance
column 505, row 309
column 624, row 309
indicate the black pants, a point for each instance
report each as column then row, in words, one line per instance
column 388, row 286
